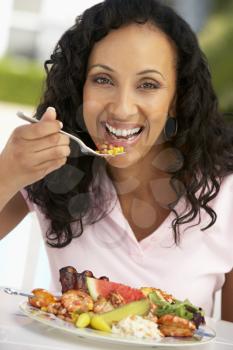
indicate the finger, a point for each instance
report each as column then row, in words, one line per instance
column 38, row 130
column 46, row 142
column 47, row 167
column 50, row 154
column 50, row 114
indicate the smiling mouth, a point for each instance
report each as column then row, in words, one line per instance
column 123, row 134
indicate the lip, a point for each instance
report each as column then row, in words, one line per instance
column 120, row 125
column 125, row 143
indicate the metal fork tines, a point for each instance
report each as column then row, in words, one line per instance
column 13, row 291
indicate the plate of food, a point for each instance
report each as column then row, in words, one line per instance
column 104, row 311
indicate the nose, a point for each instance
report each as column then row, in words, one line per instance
column 123, row 104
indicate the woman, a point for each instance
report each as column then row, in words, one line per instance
column 129, row 72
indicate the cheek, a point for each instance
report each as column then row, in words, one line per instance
column 156, row 120
column 158, row 111
column 159, row 105
column 91, row 109
column 157, row 117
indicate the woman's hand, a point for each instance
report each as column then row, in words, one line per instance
column 33, row 151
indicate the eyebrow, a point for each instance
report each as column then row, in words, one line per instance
column 111, row 70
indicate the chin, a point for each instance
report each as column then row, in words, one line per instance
column 125, row 160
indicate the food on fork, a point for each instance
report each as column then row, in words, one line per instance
column 147, row 312
column 110, row 149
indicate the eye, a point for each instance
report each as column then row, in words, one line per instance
column 103, row 81
column 149, row 86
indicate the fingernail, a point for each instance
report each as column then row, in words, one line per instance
column 52, row 109
column 61, row 124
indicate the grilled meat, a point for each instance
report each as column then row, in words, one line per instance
column 70, row 278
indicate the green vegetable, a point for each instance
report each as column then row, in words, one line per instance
column 104, row 321
column 179, row 308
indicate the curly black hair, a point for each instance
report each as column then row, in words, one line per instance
column 67, row 196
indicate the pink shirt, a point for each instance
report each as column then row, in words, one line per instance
column 195, row 269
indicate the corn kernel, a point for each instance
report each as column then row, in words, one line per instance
column 110, row 149
column 103, row 146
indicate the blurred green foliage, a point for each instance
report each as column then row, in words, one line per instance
column 222, row 5
column 216, row 40
column 21, row 81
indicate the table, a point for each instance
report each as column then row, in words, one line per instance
column 18, row 332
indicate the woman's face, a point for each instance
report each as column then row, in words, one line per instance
column 130, row 90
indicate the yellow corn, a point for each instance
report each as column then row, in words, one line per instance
column 110, row 149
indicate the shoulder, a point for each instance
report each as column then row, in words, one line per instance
column 226, row 186
column 29, row 203
column 225, row 193
column 222, row 204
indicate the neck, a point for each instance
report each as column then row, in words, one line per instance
column 133, row 180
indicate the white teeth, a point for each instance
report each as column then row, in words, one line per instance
column 122, row 132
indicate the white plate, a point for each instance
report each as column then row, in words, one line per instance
column 202, row 336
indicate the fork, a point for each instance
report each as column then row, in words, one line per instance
column 14, row 291
column 84, row 148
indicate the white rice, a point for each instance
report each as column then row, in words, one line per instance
column 137, row 326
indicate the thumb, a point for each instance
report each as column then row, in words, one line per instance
column 50, row 114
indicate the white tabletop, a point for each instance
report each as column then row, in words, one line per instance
column 18, row 332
